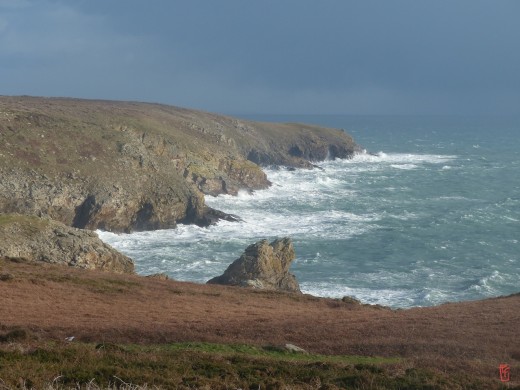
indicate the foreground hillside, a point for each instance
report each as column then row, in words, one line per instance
column 124, row 166
column 458, row 345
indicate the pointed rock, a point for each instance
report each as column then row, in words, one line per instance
column 263, row 266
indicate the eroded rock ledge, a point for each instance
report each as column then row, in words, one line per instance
column 263, row 266
column 123, row 166
column 30, row 238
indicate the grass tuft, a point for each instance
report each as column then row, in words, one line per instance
column 14, row 335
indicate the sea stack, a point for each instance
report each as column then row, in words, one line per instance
column 263, row 266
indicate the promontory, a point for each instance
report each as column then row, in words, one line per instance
column 124, row 166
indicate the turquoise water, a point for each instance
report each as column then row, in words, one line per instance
column 430, row 215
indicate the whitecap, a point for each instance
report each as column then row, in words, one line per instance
column 485, row 285
column 384, row 297
column 382, row 157
column 404, row 166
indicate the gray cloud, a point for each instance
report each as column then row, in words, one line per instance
column 374, row 56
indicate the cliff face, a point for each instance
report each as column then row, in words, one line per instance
column 124, row 166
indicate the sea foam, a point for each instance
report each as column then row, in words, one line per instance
column 398, row 229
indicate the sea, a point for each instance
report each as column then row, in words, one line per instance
column 428, row 213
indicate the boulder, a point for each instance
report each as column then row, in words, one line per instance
column 294, row 349
column 42, row 239
column 263, row 266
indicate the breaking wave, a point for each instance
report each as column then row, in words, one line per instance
column 397, row 229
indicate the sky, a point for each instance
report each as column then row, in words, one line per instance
column 360, row 57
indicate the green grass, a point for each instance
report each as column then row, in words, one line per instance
column 61, row 365
column 28, row 224
column 14, row 218
column 273, row 352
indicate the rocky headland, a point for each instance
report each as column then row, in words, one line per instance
column 68, row 166
column 123, row 166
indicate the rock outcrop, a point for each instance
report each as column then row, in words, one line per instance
column 263, row 266
column 38, row 239
column 123, row 166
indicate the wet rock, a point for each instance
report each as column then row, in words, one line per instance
column 212, row 216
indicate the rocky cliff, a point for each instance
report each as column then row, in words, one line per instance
column 263, row 266
column 124, row 166
column 31, row 238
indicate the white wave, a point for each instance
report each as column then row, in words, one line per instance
column 347, row 202
column 328, row 182
column 329, row 224
column 382, row 157
column 404, row 166
column 384, row 297
column 487, row 284
column 396, row 298
column 431, row 297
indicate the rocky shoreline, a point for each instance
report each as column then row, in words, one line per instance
column 68, row 166
column 125, row 166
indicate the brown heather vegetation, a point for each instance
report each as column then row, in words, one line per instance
column 456, row 345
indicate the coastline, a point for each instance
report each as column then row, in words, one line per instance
column 43, row 305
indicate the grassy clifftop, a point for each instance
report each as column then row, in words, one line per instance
column 124, row 166
column 147, row 331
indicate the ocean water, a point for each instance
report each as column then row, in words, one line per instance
column 429, row 214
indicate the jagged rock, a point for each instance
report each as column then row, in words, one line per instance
column 212, row 216
column 41, row 239
column 263, row 266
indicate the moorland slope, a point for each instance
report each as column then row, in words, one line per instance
column 452, row 346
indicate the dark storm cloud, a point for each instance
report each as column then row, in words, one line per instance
column 269, row 56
